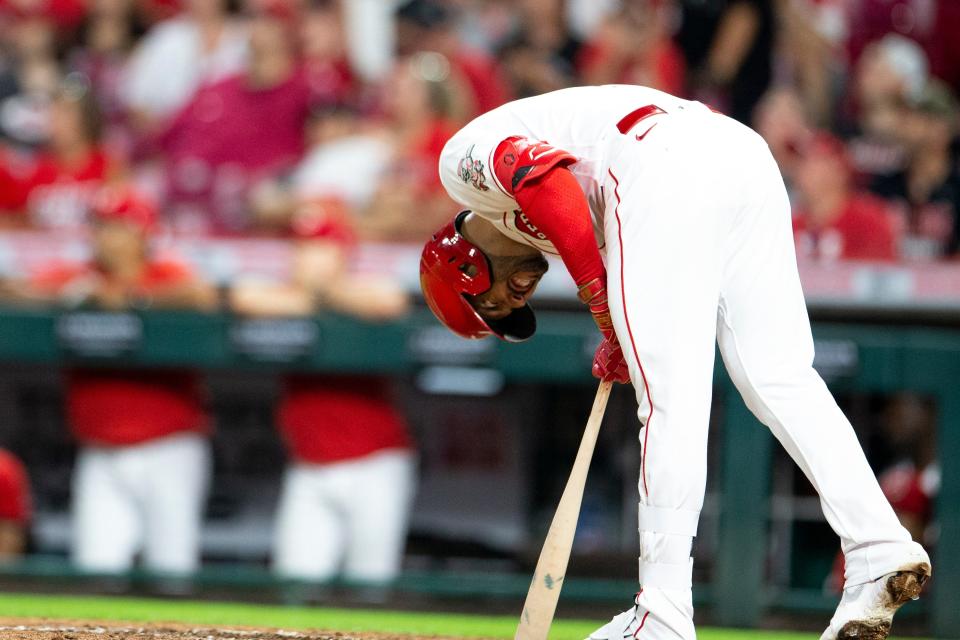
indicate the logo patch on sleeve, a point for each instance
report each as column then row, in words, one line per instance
column 471, row 171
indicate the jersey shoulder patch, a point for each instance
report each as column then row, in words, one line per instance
column 518, row 161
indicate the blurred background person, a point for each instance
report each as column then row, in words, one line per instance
column 54, row 189
column 347, row 158
column 925, row 194
column 535, row 47
column 890, row 72
column 201, row 45
column 424, row 105
column 237, row 132
column 141, row 474
column 782, row 120
column 833, row 220
column 431, row 25
column 29, row 74
column 348, row 490
column 728, row 47
column 107, row 37
column 325, row 55
column 15, row 506
column 634, row 46
column 811, row 53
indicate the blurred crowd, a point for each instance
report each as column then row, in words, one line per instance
column 255, row 117
column 320, row 122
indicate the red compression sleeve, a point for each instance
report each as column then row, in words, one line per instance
column 556, row 205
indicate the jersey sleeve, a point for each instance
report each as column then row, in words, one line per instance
column 519, row 161
column 483, row 170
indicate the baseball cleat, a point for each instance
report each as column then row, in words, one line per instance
column 623, row 625
column 866, row 610
column 672, row 622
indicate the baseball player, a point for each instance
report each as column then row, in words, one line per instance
column 674, row 223
column 142, row 469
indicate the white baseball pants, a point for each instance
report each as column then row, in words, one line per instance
column 700, row 249
column 345, row 518
column 145, row 498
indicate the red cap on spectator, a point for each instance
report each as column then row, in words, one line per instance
column 123, row 204
column 324, row 219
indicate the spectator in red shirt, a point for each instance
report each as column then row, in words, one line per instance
column 14, row 507
column 833, row 221
column 141, row 474
column 348, row 489
column 55, row 192
column 237, row 132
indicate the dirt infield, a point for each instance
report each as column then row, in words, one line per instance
column 54, row 630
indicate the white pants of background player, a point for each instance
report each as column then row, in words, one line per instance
column 700, row 249
column 145, row 498
column 345, row 519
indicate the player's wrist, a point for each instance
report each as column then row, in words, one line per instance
column 593, row 292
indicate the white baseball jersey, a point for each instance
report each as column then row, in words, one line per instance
column 571, row 126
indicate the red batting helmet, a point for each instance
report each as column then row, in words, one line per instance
column 451, row 267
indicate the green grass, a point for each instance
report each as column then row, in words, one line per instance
column 226, row 614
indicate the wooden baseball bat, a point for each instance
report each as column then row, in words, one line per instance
column 544, row 592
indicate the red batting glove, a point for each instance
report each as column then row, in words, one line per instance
column 608, row 362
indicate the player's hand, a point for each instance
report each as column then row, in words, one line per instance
column 608, row 362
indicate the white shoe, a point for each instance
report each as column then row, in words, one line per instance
column 623, row 625
column 638, row 622
column 866, row 610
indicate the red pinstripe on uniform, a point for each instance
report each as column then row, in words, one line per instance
column 642, row 622
column 633, row 344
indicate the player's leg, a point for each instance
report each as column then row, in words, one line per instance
column 663, row 287
column 377, row 517
column 765, row 339
column 106, row 527
column 176, row 477
column 309, row 537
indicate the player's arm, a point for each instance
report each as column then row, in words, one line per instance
column 548, row 194
column 551, row 198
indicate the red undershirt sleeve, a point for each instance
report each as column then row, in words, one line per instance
column 555, row 204
column 551, row 198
